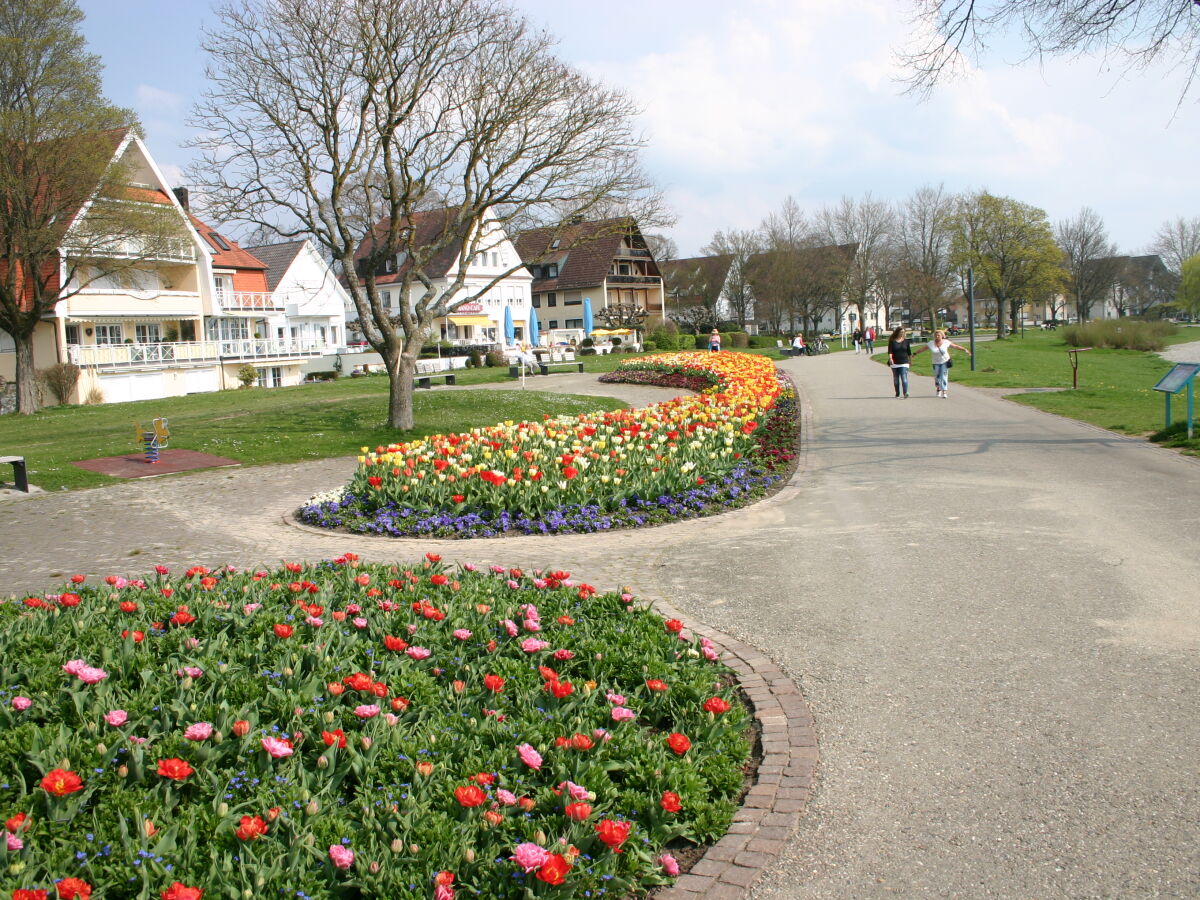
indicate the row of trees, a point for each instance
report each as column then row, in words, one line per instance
column 878, row 257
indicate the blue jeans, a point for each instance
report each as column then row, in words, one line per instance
column 941, row 376
column 900, row 379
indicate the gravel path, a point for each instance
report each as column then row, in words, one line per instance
column 991, row 611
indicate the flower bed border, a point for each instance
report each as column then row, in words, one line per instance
column 773, row 806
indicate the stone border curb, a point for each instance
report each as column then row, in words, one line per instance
column 772, row 808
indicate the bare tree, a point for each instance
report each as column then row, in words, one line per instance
column 924, row 228
column 1089, row 259
column 1136, row 32
column 345, row 120
column 869, row 224
column 67, row 217
column 1176, row 241
column 662, row 247
column 695, row 286
column 739, row 246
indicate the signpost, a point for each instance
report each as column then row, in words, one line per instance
column 1180, row 376
column 1074, row 354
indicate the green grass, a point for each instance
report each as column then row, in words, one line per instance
column 258, row 427
column 1115, row 386
column 280, row 425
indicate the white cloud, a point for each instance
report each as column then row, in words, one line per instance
column 152, row 100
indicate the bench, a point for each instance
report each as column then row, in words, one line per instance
column 20, row 477
column 543, row 368
column 423, row 381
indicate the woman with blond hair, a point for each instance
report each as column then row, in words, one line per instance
column 940, row 348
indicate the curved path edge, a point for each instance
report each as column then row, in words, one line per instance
column 772, row 808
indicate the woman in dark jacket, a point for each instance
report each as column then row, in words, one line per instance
column 900, row 355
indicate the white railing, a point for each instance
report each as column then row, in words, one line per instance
column 168, row 355
column 250, row 300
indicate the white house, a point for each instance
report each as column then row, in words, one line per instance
column 479, row 322
column 307, row 302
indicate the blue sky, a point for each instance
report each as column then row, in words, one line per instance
column 747, row 103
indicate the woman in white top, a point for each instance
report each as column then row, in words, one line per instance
column 939, row 348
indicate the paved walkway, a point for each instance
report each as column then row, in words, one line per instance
column 991, row 611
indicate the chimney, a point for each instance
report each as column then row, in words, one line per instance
column 181, row 194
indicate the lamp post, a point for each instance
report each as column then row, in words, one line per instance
column 971, row 312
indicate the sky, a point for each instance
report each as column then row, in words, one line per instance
column 746, row 104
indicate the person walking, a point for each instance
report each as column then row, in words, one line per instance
column 939, row 348
column 857, row 337
column 714, row 341
column 900, row 355
column 869, row 339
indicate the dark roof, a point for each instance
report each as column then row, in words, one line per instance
column 430, row 227
column 683, row 274
column 226, row 254
column 278, row 257
column 588, row 251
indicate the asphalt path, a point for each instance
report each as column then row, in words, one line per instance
column 992, row 612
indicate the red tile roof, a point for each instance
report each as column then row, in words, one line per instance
column 232, row 258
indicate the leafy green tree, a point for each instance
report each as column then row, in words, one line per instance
column 1011, row 247
column 1189, row 286
column 62, row 210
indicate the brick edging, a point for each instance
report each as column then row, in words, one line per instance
column 772, row 808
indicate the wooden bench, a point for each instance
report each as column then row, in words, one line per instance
column 543, row 368
column 423, row 381
column 20, row 477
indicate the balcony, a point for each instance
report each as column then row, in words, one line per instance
column 634, row 279
column 638, row 252
column 250, row 301
column 118, row 357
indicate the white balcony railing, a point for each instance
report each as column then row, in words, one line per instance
column 250, row 301
column 170, row 355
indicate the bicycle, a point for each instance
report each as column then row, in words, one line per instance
column 817, row 346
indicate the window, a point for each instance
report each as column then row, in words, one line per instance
column 574, row 323
column 537, row 302
column 147, row 334
column 228, row 329
column 224, row 284
column 386, row 299
column 270, row 376
column 495, row 259
column 219, row 241
column 551, row 300
column 569, row 302
column 554, row 244
column 552, row 270
column 389, row 264
column 108, row 334
column 553, row 323
column 73, row 334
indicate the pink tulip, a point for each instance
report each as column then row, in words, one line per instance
column 417, row 653
column 621, row 714
column 670, row 866
column 533, row 645
column 251, row 607
column 74, row 665
column 530, row 857
column 462, row 634
column 21, row 703
column 90, row 675
column 342, row 857
column 511, row 627
column 277, row 748
column 615, row 699
column 529, row 756
column 201, row 731
column 508, row 798
column 360, row 623
column 14, row 842
column 367, row 711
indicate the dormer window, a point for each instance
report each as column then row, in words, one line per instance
column 389, row 264
column 552, row 270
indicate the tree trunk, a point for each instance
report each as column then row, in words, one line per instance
column 401, row 368
column 27, row 386
column 1000, row 330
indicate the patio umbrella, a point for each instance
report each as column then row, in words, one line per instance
column 587, row 316
column 533, row 326
column 509, row 332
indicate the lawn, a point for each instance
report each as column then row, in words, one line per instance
column 261, row 426
column 1115, row 386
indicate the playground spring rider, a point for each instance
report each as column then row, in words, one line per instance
column 154, row 440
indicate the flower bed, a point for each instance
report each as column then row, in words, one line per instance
column 344, row 730
column 627, row 468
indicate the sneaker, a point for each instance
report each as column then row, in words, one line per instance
column 906, row 396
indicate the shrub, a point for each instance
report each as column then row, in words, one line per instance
column 649, row 346
column 1119, row 334
column 60, row 380
column 95, row 397
column 496, row 358
column 475, row 360
column 616, row 340
column 247, row 375
column 737, row 339
column 587, row 342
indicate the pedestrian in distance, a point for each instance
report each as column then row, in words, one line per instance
column 798, row 345
column 939, row 349
column 900, row 354
column 869, row 339
column 714, row 341
column 857, row 337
